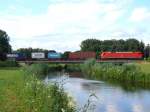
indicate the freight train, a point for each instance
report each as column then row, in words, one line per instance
column 52, row 56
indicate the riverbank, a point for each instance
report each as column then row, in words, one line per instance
column 127, row 73
column 18, row 94
column 144, row 66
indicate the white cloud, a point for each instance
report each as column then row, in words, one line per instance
column 140, row 14
column 65, row 25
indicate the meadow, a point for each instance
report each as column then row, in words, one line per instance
column 21, row 89
column 22, row 92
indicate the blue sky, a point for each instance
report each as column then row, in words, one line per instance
column 63, row 24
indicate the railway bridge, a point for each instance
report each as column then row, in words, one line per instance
column 77, row 61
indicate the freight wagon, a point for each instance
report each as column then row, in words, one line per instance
column 82, row 55
column 54, row 56
column 37, row 55
column 121, row 55
column 12, row 55
column 16, row 56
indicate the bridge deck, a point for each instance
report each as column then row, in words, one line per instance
column 79, row 61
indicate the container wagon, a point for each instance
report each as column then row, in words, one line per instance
column 121, row 55
column 12, row 56
column 37, row 55
column 21, row 57
column 16, row 56
column 82, row 55
column 54, row 56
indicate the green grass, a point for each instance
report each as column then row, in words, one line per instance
column 145, row 66
column 127, row 73
column 10, row 81
column 8, row 63
column 20, row 94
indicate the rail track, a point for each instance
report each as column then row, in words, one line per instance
column 78, row 61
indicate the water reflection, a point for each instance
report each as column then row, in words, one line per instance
column 110, row 98
column 111, row 108
column 137, row 108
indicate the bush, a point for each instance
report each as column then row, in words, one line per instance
column 148, row 59
column 56, row 67
column 72, row 67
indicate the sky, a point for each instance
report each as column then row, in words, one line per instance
column 63, row 24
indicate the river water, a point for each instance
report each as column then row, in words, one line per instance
column 103, row 97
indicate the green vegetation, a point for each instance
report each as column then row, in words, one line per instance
column 56, row 67
column 37, row 69
column 4, row 42
column 8, row 64
column 128, row 73
column 112, row 45
column 66, row 67
column 73, row 67
column 21, row 94
column 144, row 66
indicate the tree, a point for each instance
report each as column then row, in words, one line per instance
column 65, row 55
column 113, row 45
column 132, row 45
column 4, row 42
column 91, row 45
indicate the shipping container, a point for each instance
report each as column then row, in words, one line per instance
column 12, row 55
column 53, row 55
column 37, row 55
column 121, row 55
column 82, row 55
column 21, row 57
column 16, row 56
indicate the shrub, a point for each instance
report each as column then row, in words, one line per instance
column 72, row 67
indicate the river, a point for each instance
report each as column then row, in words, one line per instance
column 103, row 97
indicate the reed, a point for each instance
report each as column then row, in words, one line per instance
column 127, row 73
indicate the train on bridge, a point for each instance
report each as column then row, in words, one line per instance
column 75, row 56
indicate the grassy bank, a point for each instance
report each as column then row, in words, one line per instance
column 128, row 73
column 10, row 83
column 145, row 66
column 20, row 94
column 9, row 63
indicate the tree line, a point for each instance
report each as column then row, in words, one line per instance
column 113, row 45
column 5, row 47
column 96, row 45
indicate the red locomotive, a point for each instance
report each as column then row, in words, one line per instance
column 121, row 55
